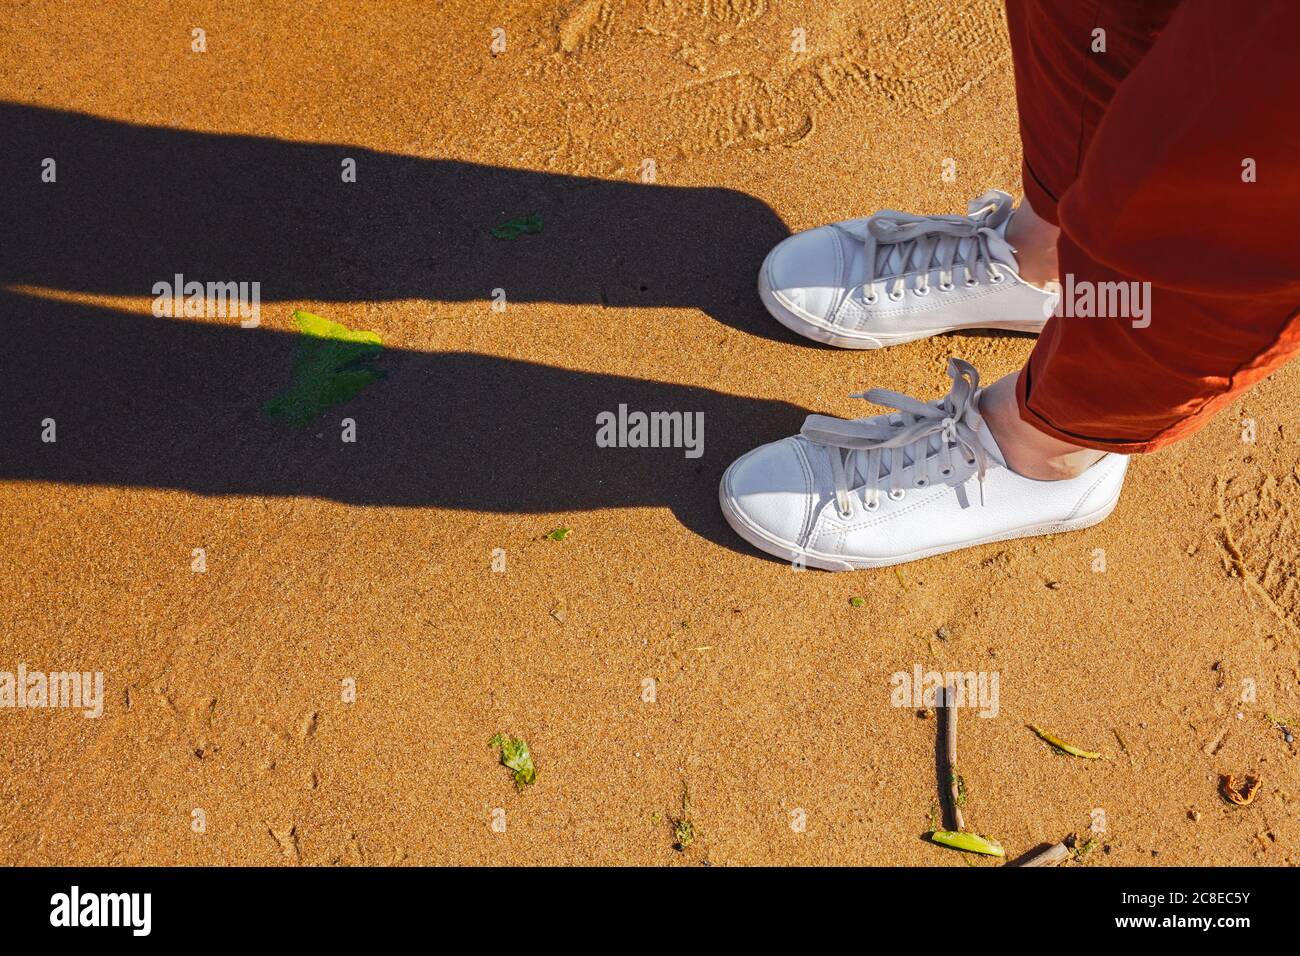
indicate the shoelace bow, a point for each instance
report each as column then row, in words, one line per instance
column 858, row 446
column 923, row 243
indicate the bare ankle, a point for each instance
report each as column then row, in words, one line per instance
column 1026, row 450
column 1034, row 239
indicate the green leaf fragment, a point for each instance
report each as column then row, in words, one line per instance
column 333, row 365
column 514, row 228
column 515, row 756
column 970, row 842
column 683, row 828
column 559, row 534
column 857, row 601
column 683, row 834
column 1081, row 852
column 1063, row 746
column 320, row 327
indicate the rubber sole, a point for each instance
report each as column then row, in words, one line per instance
column 791, row 552
column 819, row 332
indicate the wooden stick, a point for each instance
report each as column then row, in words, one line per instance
column 950, row 748
column 1051, row 856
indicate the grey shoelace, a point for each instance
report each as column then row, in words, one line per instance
column 923, row 439
column 898, row 244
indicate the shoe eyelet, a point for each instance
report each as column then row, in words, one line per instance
column 896, row 298
column 996, row 278
column 946, row 287
column 945, row 472
column 897, row 496
column 921, row 291
column 921, row 482
column 844, row 515
column 871, row 505
column 970, row 461
column 970, row 283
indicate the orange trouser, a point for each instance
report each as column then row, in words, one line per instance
column 1170, row 157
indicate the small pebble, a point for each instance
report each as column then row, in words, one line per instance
column 943, row 633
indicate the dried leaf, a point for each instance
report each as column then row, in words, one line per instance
column 1063, row 746
column 1242, row 792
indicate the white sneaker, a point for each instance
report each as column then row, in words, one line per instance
column 926, row 479
column 894, row 277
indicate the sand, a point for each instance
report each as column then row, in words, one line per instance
column 226, row 738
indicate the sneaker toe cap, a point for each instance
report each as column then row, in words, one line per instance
column 804, row 272
column 770, row 491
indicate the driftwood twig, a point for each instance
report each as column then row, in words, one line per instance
column 955, row 796
column 1053, row 855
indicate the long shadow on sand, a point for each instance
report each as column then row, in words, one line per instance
column 134, row 205
column 143, row 401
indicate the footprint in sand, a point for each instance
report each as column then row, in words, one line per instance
column 924, row 59
column 287, row 838
column 753, row 91
column 1257, row 513
column 579, row 21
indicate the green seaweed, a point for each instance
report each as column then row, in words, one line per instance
column 515, row 756
column 333, row 365
column 514, row 228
